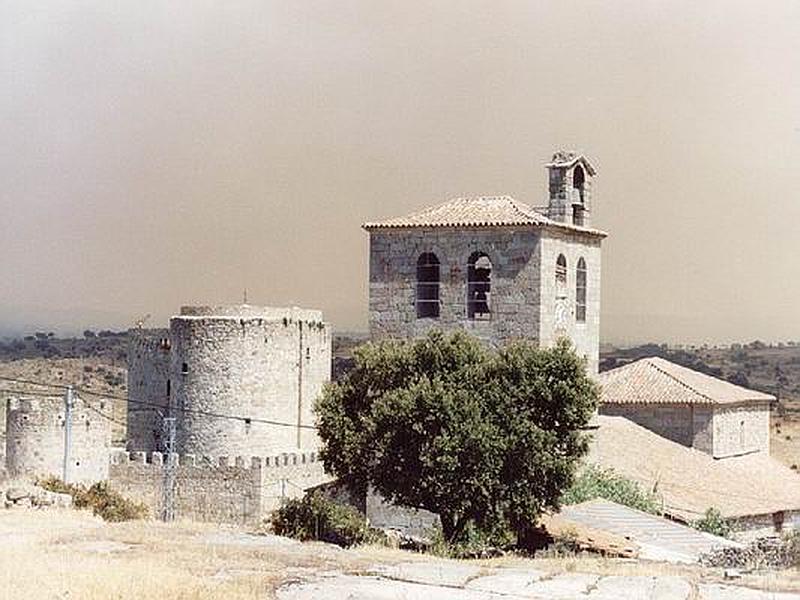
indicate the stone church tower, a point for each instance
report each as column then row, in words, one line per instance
column 494, row 267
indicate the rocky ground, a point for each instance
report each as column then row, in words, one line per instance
column 62, row 554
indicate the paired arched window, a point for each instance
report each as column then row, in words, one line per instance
column 580, row 292
column 479, row 287
column 427, row 286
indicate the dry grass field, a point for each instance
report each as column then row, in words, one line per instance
column 785, row 438
column 65, row 554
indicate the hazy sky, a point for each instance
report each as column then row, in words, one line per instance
column 154, row 154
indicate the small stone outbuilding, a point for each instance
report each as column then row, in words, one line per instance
column 688, row 407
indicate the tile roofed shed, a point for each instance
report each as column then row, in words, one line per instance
column 479, row 211
column 658, row 381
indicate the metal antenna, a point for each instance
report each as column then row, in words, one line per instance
column 168, row 512
column 245, row 296
column 141, row 320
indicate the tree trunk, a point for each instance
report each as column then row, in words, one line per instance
column 453, row 526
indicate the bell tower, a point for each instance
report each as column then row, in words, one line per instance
column 570, row 177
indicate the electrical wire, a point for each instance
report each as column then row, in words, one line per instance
column 195, row 411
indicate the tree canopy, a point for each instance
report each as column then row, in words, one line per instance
column 485, row 439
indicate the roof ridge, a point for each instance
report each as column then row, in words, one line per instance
column 523, row 209
column 650, row 362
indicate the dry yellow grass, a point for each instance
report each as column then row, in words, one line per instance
column 68, row 555
column 785, row 439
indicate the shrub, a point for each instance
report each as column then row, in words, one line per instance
column 596, row 482
column 104, row 502
column 792, row 541
column 713, row 522
column 476, row 542
column 315, row 517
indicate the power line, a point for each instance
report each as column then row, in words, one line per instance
column 104, row 415
column 40, row 383
column 36, row 394
column 195, row 411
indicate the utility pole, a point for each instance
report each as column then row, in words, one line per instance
column 168, row 512
column 67, row 432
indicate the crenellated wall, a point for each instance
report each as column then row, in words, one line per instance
column 221, row 489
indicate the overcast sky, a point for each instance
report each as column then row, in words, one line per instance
column 154, row 154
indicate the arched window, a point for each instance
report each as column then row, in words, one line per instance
column 578, row 184
column 580, row 292
column 561, row 304
column 427, row 286
column 578, row 181
column 479, row 287
column 561, row 276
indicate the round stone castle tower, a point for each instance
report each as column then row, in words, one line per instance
column 240, row 380
column 35, row 439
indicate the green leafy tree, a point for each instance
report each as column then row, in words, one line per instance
column 487, row 440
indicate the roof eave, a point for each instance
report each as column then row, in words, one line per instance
column 554, row 225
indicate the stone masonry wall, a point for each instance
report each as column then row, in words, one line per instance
column 716, row 430
column 148, row 388
column 741, row 429
column 514, row 282
column 255, row 363
column 523, row 286
column 748, row 529
column 224, row 490
column 35, row 439
column 253, row 367
column 585, row 336
column 563, row 194
column 672, row 421
column 703, row 428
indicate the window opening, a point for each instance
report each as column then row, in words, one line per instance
column 479, row 287
column 580, row 292
column 427, row 286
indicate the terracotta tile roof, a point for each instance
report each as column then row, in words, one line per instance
column 480, row 211
column 689, row 481
column 658, row 381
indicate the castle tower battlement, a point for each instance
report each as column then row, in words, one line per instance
column 239, row 379
column 35, row 438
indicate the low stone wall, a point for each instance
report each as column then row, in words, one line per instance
column 746, row 529
column 383, row 514
column 223, row 490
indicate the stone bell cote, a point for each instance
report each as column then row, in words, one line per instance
column 570, row 180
